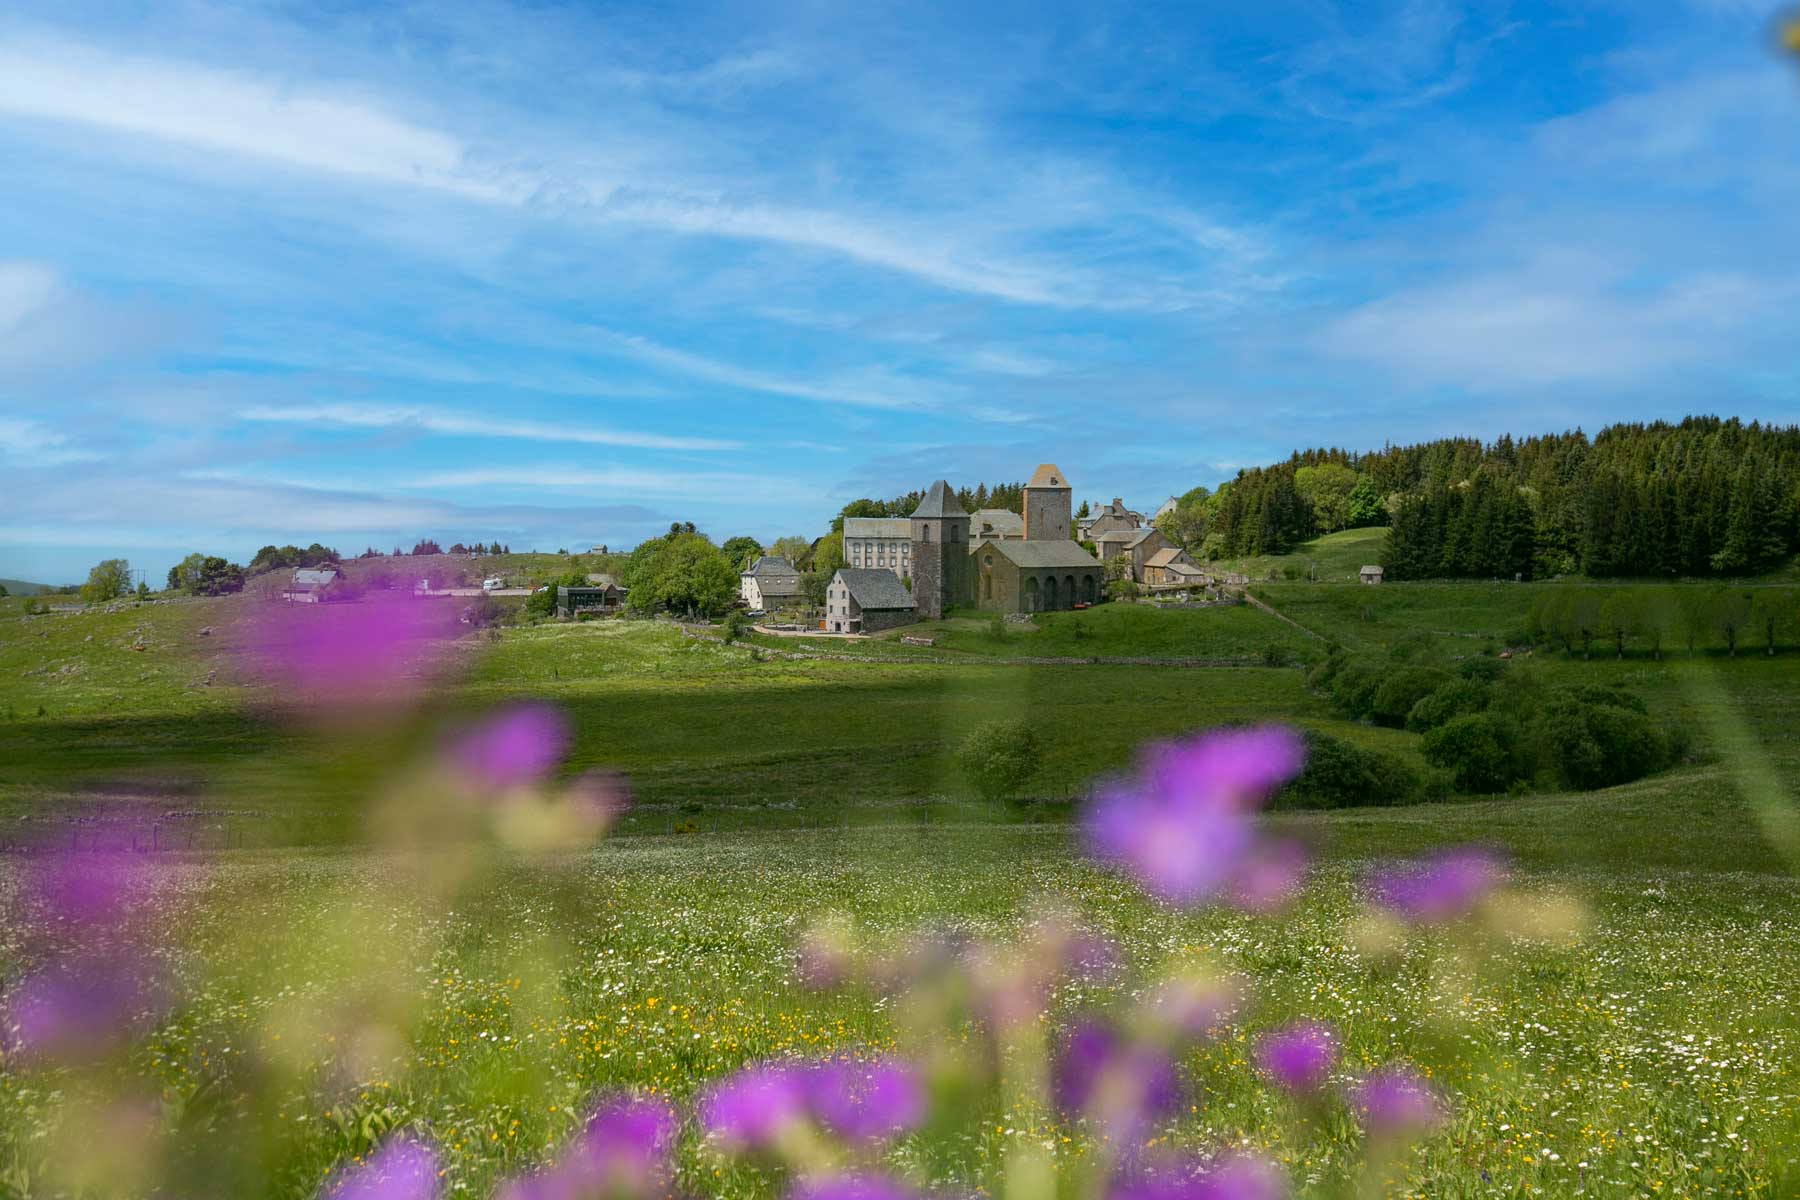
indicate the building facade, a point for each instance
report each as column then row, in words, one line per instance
column 940, row 553
column 769, row 583
column 867, row 600
column 879, row 543
column 1048, row 511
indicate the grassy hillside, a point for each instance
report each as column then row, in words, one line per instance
column 1333, row 558
column 20, row 587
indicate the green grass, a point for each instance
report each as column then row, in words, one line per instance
column 825, row 785
column 1331, row 558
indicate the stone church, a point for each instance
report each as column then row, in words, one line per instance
column 1041, row 571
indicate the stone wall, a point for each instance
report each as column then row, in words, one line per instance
column 876, row 620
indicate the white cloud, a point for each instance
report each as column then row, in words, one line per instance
column 237, row 114
column 33, row 445
column 452, row 424
column 679, row 485
column 1530, row 329
column 25, row 289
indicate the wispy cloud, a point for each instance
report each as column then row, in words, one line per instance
column 28, row 443
column 453, row 424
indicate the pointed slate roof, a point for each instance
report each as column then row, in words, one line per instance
column 770, row 564
column 938, row 502
column 1048, row 475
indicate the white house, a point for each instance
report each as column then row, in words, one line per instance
column 769, row 583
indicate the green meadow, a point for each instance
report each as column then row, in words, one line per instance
column 1648, row 1047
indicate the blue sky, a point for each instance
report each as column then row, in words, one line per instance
column 560, row 274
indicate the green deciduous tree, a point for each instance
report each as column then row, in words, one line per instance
column 998, row 758
column 108, row 580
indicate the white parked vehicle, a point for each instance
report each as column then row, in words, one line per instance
column 492, row 584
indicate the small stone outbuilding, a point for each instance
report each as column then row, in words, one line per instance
column 867, row 600
column 310, row 585
column 1371, row 574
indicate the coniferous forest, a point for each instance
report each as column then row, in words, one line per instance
column 1706, row 496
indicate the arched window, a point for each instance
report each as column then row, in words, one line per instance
column 1031, row 593
column 1091, row 590
column 924, row 533
column 1069, row 589
column 1050, row 593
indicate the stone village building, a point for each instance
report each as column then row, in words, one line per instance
column 1035, row 567
column 873, row 542
column 867, row 600
column 769, row 583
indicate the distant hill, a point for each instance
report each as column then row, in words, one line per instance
column 19, row 587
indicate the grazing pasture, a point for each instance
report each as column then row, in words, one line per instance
column 1630, row 1033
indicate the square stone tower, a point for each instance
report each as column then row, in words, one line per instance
column 1048, row 510
column 942, row 575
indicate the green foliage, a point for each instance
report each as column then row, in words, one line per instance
column 1340, row 774
column 1480, row 750
column 1326, row 487
column 1582, row 744
column 683, row 573
column 108, row 580
column 276, row 558
column 740, row 552
column 736, row 625
column 998, row 758
column 143, row 590
column 1481, row 670
column 827, row 560
column 1451, row 700
column 1394, row 698
column 205, row 575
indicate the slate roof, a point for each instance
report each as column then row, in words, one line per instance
column 1138, row 535
column 938, row 502
column 311, row 579
column 877, row 527
column 1164, row 557
column 876, row 588
column 1370, row 571
column 772, row 564
column 1056, row 553
column 1048, row 475
column 1003, row 520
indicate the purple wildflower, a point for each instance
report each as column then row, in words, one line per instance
column 1183, row 826
column 399, row 1169
column 1441, row 889
column 1299, row 1057
column 852, row 1187
column 92, row 891
column 379, row 649
column 622, row 1151
column 866, row 1101
column 753, row 1108
column 1397, row 1102
column 80, row 1007
column 1122, row 1085
column 516, row 746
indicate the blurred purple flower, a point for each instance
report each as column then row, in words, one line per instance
column 399, row 1169
column 1120, row 1084
column 622, row 1152
column 852, row 1187
column 1299, row 1057
column 375, row 650
column 754, row 1107
column 80, row 1007
column 1397, row 1102
column 866, row 1101
column 1184, row 825
column 515, row 746
column 1441, row 889
column 1268, row 877
column 92, row 891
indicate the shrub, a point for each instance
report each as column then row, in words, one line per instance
column 1480, row 750
column 1481, row 670
column 1583, row 745
column 1340, row 774
column 998, row 758
column 1413, row 648
column 1394, row 698
column 737, row 623
column 1274, row 655
column 1353, row 688
column 1454, row 699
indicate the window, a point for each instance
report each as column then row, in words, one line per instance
column 924, row 533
